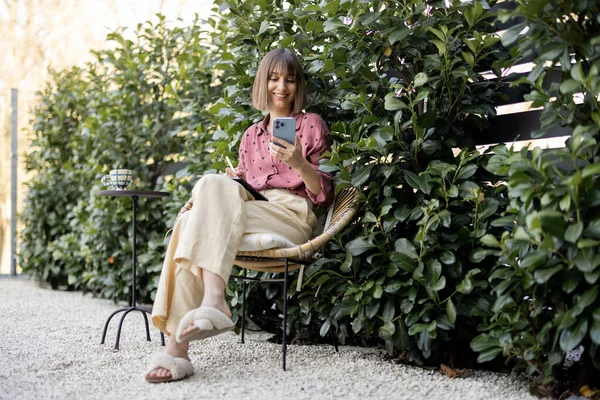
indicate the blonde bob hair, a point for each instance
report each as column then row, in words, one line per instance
column 280, row 61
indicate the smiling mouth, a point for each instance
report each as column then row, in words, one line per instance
column 280, row 96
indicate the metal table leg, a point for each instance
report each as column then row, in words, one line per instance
column 133, row 303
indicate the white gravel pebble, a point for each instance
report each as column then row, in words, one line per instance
column 50, row 349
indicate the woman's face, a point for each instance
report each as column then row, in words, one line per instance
column 282, row 91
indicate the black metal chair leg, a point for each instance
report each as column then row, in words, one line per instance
column 285, row 310
column 147, row 326
column 243, row 304
column 335, row 342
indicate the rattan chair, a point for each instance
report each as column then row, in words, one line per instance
column 290, row 259
column 294, row 258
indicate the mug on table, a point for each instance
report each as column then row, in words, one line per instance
column 119, row 178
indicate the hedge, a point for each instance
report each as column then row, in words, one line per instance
column 454, row 255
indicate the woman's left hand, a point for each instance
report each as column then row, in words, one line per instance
column 289, row 153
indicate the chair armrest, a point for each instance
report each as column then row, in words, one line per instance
column 186, row 207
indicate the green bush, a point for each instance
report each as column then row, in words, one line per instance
column 392, row 82
column 548, row 265
column 400, row 85
column 133, row 107
column 48, row 241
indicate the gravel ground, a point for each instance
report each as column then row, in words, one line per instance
column 50, row 348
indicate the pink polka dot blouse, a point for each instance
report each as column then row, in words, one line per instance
column 264, row 172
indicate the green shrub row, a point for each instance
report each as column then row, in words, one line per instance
column 120, row 111
column 452, row 250
column 547, row 262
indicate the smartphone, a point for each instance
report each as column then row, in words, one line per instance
column 285, row 128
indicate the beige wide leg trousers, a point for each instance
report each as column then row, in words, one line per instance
column 207, row 237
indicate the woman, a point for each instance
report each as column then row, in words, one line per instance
column 190, row 302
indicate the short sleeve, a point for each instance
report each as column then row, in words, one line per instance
column 318, row 142
column 242, row 164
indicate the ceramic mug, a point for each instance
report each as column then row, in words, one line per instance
column 119, row 178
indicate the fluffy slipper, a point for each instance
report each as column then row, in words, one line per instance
column 208, row 321
column 180, row 368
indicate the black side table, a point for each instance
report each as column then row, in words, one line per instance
column 134, row 195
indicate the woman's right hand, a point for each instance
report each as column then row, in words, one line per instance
column 235, row 173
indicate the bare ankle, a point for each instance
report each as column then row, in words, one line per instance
column 175, row 349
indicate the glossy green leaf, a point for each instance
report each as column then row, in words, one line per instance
column 333, row 25
column 420, row 79
column 595, row 332
column 264, row 25
column 332, row 7
column 387, row 329
column 592, row 277
column 439, row 284
column 587, row 260
column 347, row 264
column 577, row 73
column 552, row 51
column 488, row 354
column 484, row 342
column 573, row 232
column 469, row 58
column 591, row 170
column 512, row 34
column 403, row 261
column 405, row 247
column 378, row 291
column 416, row 328
column 501, row 302
column 587, row 298
column 399, row 35
column 543, row 275
column 314, row 26
column 412, row 179
column 325, row 327
column 369, row 217
column 447, row 257
column 439, row 34
column 402, row 213
column 465, row 286
column 358, row 246
column 361, row 176
column 553, row 222
column 389, row 310
column 571, row 338
column 392, row 103
column 441, row 46
column 466, row 172
column 490, row 241
column 569, row 86
column 571, row 283
column 451, row 311
column 372, row 308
